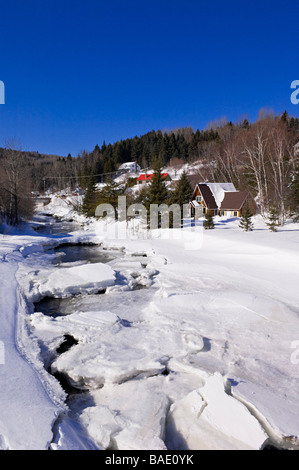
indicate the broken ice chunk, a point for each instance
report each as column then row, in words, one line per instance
column 209, row 419
column 278, row 414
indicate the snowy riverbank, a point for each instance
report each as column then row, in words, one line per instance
column 203, row 356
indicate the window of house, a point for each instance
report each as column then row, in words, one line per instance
column 215, row 211
column 204, row 210
column 235, row 214
column 198, row 198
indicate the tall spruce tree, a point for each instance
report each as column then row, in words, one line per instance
column 157, row 192
column 246, row 223
column 109, row 194
column 294, row 196
column 182, row 193
column 89, row 202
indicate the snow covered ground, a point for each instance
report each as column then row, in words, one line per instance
column 185, row 349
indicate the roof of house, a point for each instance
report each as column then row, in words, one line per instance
column 149, row 176
column 219, row 189
column 207, row 196
column 234, row 200
column 213, row 193
column 194, row 203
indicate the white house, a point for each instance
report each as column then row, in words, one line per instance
column 130, row 167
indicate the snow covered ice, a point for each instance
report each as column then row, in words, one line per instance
column 72, row 280
column 173, row 348
column 208, row 418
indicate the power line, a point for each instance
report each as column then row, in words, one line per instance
column 77, row 177
column 81, row 176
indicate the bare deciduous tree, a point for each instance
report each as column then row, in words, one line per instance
column 15, row 197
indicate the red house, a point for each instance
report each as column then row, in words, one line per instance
column 146, row 178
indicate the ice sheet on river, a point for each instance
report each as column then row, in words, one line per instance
column 276, row 413
column 127, row 416
column 110, row 350
column 65, row 282
column 210, row 419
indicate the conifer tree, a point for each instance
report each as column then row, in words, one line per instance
column 209, row 222
column 158, row 191
column 108, row 194
column 89, row 202
column 285, row 117
column 182, row 193
column 294, row 195
column 273, row 219
column 245, row 221
column 184, row 190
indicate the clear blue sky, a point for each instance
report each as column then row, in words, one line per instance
column 78, row 72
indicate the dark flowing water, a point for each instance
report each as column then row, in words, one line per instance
column 48, row 225
column 70, row 253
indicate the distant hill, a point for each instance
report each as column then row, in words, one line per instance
column 255, row 156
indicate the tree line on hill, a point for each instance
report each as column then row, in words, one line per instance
column 256, row 156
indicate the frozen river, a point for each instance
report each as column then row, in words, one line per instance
column 122, row 299
column 141, row 344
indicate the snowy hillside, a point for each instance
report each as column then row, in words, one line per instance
column 184, row 348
